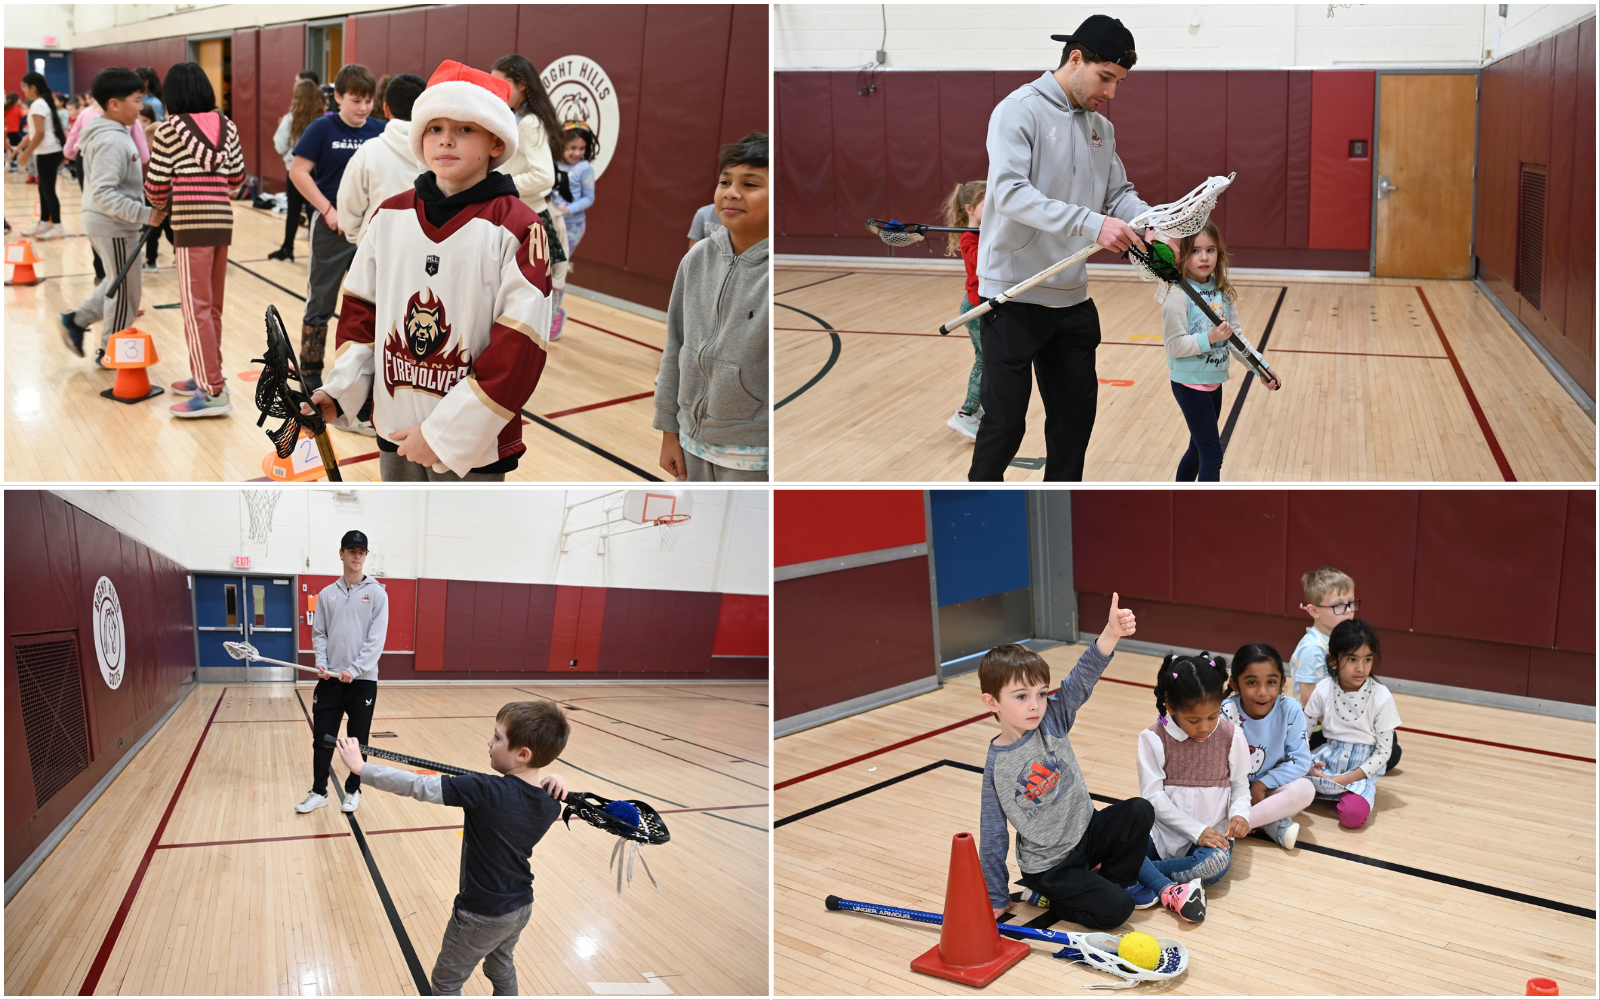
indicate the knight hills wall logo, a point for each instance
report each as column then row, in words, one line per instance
column 110, row 639
column 582, row 92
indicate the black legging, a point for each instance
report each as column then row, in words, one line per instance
column 49, row 205
column 292, row 219
column 154, row 245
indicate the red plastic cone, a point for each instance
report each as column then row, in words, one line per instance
column 970, row 950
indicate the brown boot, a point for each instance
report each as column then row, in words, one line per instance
column 313, row 342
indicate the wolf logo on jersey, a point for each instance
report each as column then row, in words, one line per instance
column 426, row 326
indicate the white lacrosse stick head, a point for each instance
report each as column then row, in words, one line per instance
column 1099, row 952
column 1178, row 219
column 241, row 651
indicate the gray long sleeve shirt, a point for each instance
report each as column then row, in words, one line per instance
column 1036, row 786
column 1054, row 176
column 349, row 627
column 113, row 180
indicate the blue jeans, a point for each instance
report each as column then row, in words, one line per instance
column 1201, row 411
column 1204, row 863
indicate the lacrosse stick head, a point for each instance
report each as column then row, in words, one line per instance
column 896, row 234
column 1160, row 264
column 610, row 816
column 1099, row 952
column 1188, row 214
column 241, row 651
column 275, row 397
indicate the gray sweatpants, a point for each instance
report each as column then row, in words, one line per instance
column 117, row 313
column 331, row 255
column 701, row 471
column 394, row 469
column 470, row 938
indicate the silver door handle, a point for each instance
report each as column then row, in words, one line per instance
column 1384, row 187
column 254, row 629
column 219, row 628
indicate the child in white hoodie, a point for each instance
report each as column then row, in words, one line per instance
column 380, row 170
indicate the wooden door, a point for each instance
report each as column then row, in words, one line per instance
column 1426, row 135
column 335, row 54
column 210, row 55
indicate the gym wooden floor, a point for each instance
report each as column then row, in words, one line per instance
column 194, row 875
column 593, row 402
column 1370, row 393
column 1297, row 923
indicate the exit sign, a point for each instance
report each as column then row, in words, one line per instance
column 50, row 41
column 241, row 562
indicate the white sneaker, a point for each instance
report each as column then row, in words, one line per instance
column 54, row 232
column 36, row 229
column 965, row 424
column 313, row 801
column 1283, row 832
column 365, row 427
column 351, row 802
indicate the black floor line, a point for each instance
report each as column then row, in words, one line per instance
column 655, row 798
column 832, row 358
column 824, row 281
column 418, row 975
column 736, row 759
column 1249, row 376
column 1459, row 883
column 580, row 442
column 269, row 281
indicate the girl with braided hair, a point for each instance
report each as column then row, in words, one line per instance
column 1194, row 767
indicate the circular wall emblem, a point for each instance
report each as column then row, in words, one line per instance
column 582, row 92
column 110, row 645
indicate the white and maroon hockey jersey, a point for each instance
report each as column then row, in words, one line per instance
column 446, row 327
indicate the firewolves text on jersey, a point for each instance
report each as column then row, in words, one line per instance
column 411, row 357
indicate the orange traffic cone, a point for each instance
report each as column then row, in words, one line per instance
column 1543, row 988
column 130, row 352
column 304, row 464
column 970, row 950
column 21, row 257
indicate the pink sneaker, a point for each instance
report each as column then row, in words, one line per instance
column 1187, row 900
column 557, row 323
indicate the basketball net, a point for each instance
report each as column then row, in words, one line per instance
column 261, row 503
column 670, row 525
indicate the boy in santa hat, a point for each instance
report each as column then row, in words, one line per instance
column 446, row 312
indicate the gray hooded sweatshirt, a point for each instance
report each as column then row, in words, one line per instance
column 349, row 627
column 1054, row 176
column 113, row 180
column 712, row 387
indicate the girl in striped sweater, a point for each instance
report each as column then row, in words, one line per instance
column 196, row 166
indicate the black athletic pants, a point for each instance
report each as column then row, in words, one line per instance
column 330, row 702
column 1022, row 341
column 49, row 202
column 294, row 217
column 1115, row 840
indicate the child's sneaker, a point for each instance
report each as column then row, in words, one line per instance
column 1187, row 900
column 151, row 268
column 1283, row 833
column 72, row 333
column 557, row 323
column 1143, row 898
column 1036, row 899
column 101, row 362
column 965, row 424
column 55, row 232
column 201, row 405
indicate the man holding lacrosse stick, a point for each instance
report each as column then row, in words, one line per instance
column 347, row 633
column 1056, row 186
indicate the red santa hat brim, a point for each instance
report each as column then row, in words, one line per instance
column 465, row 94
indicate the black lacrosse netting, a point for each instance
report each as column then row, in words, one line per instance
column 896, row 234
column 275, row 398
column 590, row 808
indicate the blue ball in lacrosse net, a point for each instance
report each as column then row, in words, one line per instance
column 625, row 811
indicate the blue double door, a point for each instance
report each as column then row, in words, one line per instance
column 259, row 610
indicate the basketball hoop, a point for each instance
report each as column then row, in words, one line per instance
column 670, row 525
column 261, row 503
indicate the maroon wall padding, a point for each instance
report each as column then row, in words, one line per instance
column 899, row 152
column 1341, row 187
column 281, row 51
column 1536, row 106
column 432, row 600
column 742, row 625
column 366, row 41
column 1475, row 589
column 826, row 524
column 246, row 98
column 55, row 556
column 16, row 65
column 850, row 633
column 660, row 632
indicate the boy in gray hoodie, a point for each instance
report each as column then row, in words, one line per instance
column 1056, row 186
column 711, row 392
column 113, row 207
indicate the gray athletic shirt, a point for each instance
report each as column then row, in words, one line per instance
column 1035, row 785
column 349, row 627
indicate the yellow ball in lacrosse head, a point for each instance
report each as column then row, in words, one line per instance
column 1140, row 949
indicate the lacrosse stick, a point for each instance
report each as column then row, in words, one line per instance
column 1183, row 217
column 631, row 821
column 904, row 234
column 274, row 398
column 133, row 258
column 1098, row 951
column 1160, row 265
column 245, row 651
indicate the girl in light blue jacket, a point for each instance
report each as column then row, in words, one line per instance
column 1197, row 351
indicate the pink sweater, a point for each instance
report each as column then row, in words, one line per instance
column 87, row 115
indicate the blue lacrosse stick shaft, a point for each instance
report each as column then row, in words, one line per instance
column 925, row 917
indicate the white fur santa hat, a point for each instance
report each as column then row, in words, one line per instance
column 468, row 95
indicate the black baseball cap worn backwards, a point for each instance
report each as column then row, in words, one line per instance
column 1105, row 36
column 353, row 540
